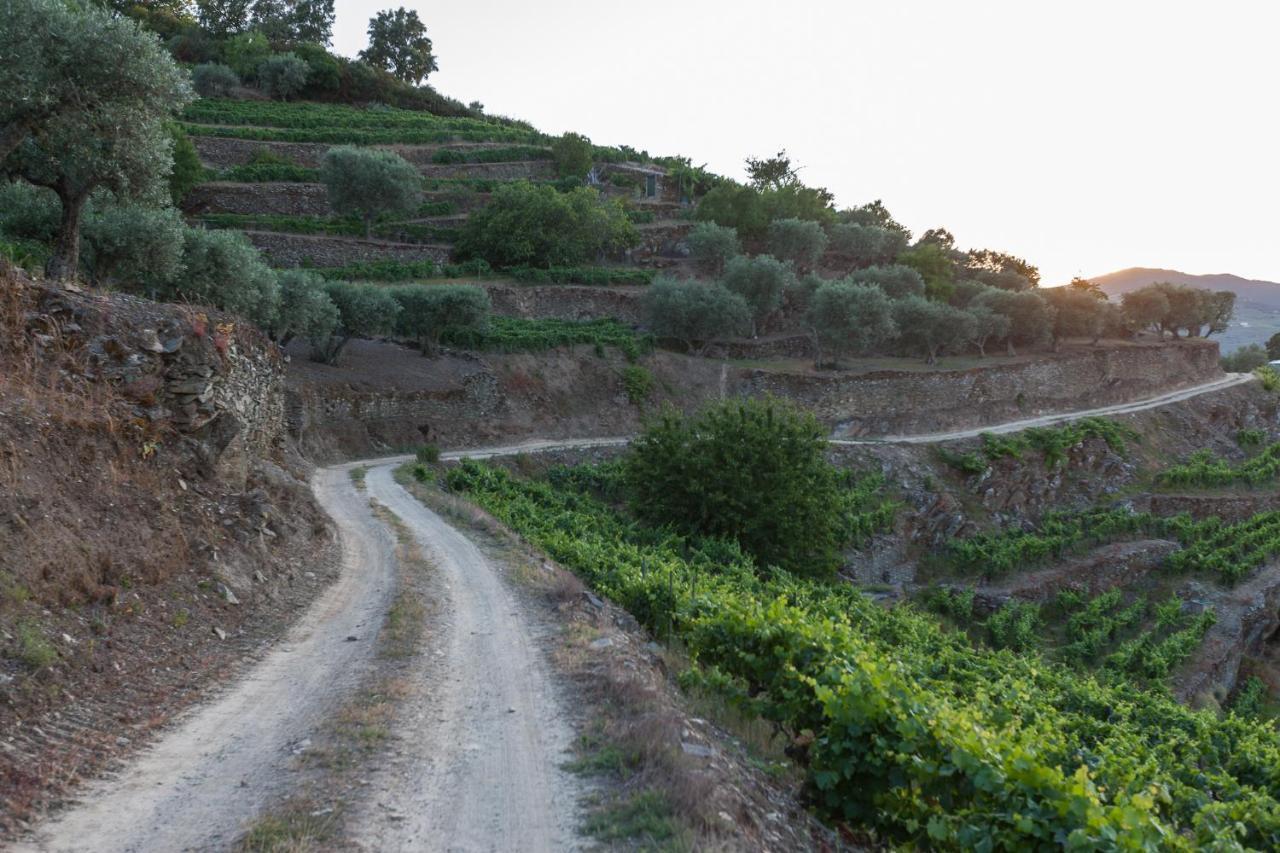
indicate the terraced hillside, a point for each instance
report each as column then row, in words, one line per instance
column 262, row 164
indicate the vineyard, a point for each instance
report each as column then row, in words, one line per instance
column 516, row 334
column 1228, row 551
column 1120, row 642
column 910, row 728
column 1204, row 470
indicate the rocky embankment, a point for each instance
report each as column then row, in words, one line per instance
column 156, row 524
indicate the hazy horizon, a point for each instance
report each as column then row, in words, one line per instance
column 1087, row 138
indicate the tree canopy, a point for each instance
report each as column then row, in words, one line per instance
column 399, row 44
column 369, row 183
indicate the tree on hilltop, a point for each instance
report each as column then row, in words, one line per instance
column 398, row 43
column 772, row 173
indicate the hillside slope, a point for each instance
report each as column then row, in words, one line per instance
column 1257, row 301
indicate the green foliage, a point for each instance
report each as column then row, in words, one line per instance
column 580, row 275
column 34, row 650
column 956, row 604
column 916, row 732
column 283, row 75
column 798, row 241
column 760, row 281
column 935, row 266
column 263, row 172
column 427, row 313
column 404, row 270
column 427, row 454
column 694, row 313
column 187, row 169
column 749, row 210
column 513, row 153
column 306, row 311
column 369, row 183
column 1251, row 699
column 867, row 245
column 711, row 246
column 968, row 463
column 930, row 328
column 1205, row 470
column 773, row 492
column 1170, row 308
column 384, row 124
column 638, row 382
column 517, row 334
column 29, row 212
column 1030, row 317
column 101, row 124
column 245, row 52
column 1230, row 551
column 1014, row 626
column 398, row 43
column 364, row 311
column 848, row 319
column 214, row 80
column 1245, row 359
column 223, row 269
column 573, row 154
column 136, row 247
column 1269, row 377
column 896, row 280
column 1251, row 437
column 530, row 224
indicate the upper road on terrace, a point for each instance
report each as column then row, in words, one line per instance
column 1227, row 381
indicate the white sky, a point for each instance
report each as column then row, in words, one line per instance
column 1084, row 136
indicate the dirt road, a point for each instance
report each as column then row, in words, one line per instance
column 485, row 735
column 479, row 769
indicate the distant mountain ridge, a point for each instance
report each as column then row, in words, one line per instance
column 1265, row 293
column 1257, row 302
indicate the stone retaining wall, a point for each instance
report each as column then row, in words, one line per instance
column 295, row 250
column 283, row 198
column 222, row 152
column 900, row 402
column 569, row 301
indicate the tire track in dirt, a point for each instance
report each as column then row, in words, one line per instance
column 482, row 741
column 217, row 767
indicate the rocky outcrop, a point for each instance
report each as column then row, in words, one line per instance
column 1247, row 617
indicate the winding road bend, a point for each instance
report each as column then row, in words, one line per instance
column 479, row 766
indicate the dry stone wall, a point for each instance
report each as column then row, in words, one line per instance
column 282, row 198
column 295, row 250
column 224, row 152
column 899, row 402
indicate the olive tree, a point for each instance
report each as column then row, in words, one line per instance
column 214, row 80
column 711, row 246
column 896, row 280
column 62, row 60
column 1144, row 308
column 223, row 269
column 1030, row 317
column 85, row 109
column 1077, row 313
column 427, row 311
column 370, row 183
column 306, row 311
column 866, row 245
column 694, row 313
column 573, row 155
column 137, row 247
column 848, row 318
column 364, row 311
column 760, row 281
column 799, row 241
column 929, row 328
column 283, row 75
column 986, row 326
